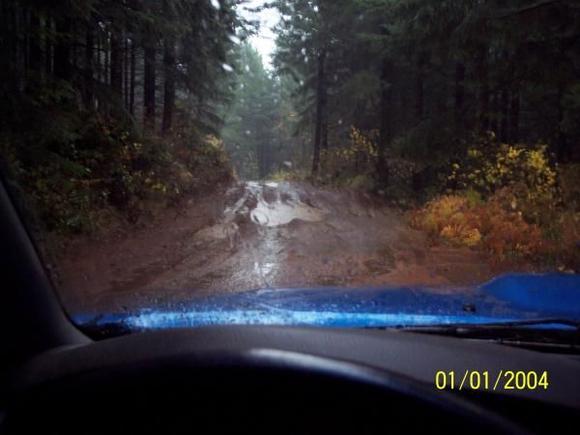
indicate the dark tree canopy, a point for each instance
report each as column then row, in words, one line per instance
column 415, row 80
column 427, row 74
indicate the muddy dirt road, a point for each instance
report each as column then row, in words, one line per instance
column 261, row 235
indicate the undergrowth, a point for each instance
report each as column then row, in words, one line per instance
column 102, row 168
column 513, row 202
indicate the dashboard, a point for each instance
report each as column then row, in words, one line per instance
column 289, row 380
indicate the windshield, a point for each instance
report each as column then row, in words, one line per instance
column 342, row 163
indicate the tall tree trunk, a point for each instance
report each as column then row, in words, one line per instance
column 459, row 96
column 116, row 64
column 89, row 91
column 386, row 124
column 132, row 84
column 324, row 103
column 515, row 115
column 494, row 115
column 10, row 31
column 505, row 110
column 169, row 72
column 483, row 75
column 169, row 87
column 320, row 110
column 420, row 89
column 262, row 169
column 48, row 48
column 324, row 140
column 149, row 86
column 62, row 50
column 106, row 58
column 563, row 148
column 34, row 65
column 126, row 60
column 99, row 64
column 34, row 49
column 24, row 39
column 74, row 46
column 10, row 75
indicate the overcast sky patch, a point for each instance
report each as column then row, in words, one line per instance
column 265, row 41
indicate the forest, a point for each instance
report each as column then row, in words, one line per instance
column 465, row 114
column 113, row 103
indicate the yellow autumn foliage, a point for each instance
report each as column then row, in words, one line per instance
column 490, row 166
column 357, row 157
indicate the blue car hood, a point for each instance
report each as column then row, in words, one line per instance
column 510, row 298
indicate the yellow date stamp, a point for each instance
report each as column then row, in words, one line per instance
column 483, row 380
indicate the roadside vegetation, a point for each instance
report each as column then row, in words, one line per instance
column 110, row 110
column 90, row 190
column 511, row 200
column 464, row 113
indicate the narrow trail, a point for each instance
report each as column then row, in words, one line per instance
column 262, row 235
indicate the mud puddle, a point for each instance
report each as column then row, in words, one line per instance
column 265, row 235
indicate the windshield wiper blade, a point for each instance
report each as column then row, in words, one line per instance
column 531, row 334
column 527, row 324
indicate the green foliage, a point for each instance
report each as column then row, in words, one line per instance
column 417, row 143
column 250, row 122
column 108, row 166
column 526, row 173
column 428, row 74
column 351, row 165
column 71, row 131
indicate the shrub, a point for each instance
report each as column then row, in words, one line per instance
column 512, row 201
column 103, row 164
column 525, row 175
column 339, row 165
column 355, row 165
column 507, row 234
column 289, row 175
column 569, row 182
column 567, row 248
column 462, row 222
